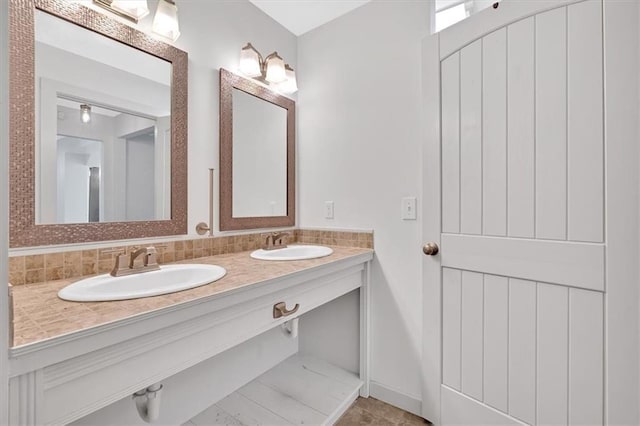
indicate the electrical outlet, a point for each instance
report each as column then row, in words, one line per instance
column 328, row 209
column 409, row 208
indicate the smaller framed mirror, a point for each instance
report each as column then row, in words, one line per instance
column 257, row 155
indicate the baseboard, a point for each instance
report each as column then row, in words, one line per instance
column 395, row 398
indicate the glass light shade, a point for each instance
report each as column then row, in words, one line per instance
column 136, row 8
column 165, row 22
column 250, row 61
column 275, row 69
column 85, row 113
column 290, row 85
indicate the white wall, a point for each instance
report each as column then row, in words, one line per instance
column 359, row 145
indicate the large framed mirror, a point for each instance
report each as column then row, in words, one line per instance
column 98, row 127
column 257, row 155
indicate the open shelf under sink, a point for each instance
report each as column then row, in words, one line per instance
column 300, row 390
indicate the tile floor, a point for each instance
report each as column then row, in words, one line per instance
column 370, row 411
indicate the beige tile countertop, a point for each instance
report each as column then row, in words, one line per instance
column 39, row 314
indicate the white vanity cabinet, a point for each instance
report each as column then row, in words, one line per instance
column 201, row 351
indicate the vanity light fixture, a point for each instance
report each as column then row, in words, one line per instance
column 85, row 113
column 133, row 10
column 270, row 69
column 165, row 22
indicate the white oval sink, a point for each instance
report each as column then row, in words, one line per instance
column 169, row 279
column 297, row 252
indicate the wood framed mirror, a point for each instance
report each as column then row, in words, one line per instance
column 257, row 155
column 98, row 128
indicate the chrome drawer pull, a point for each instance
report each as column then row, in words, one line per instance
column 280, row 310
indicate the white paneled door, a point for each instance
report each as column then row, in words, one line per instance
column 521, row 271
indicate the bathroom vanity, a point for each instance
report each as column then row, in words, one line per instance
column 201, row 344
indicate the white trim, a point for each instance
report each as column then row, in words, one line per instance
column 4, row 209
column 466, row 410
column 621, row 65
column 431, row 289
column 365, row 327
column 344, row 406
column 453, row 3
column 311, row 228
column 396, row 398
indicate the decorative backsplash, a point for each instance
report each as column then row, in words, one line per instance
column 71, row 264
column 334, row 238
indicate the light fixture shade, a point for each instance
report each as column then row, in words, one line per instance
column 136, row 8
column 250, row 61
column 165, row 22
column 290, row 85
column 85, row 113
column 275, row 69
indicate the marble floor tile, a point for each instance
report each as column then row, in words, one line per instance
column 370, row 411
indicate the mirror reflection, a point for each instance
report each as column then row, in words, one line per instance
column 103, row 144
column 259, row 157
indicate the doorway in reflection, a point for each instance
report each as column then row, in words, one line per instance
column 78, row 166
column 107, row 165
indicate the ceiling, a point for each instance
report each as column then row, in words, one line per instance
column 300, row 16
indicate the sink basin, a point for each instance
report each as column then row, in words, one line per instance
column 297, row 252
column 169, row 279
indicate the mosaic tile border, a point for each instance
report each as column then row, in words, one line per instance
column 31, row 269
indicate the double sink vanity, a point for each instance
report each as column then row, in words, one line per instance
column 104, row 352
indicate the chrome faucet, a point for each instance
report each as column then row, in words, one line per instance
column 138, row 261
column 275, row 240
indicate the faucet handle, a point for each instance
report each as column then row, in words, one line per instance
column 277, row 236
column 280, row 239
column 268, row 240
column 151, row 259
column 121, row 264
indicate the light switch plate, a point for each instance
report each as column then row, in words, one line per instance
column 409, row 208
column 328, row 209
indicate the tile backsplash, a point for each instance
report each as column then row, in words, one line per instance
column 37, row 268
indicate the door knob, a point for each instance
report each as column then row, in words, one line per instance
column 430, row 249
